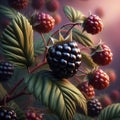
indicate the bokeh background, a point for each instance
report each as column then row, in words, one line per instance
column 109, row 11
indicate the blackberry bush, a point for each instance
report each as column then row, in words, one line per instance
column 55, row 70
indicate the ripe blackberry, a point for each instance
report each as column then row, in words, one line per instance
column 7, row 113
column 37, row 4
column 64, row 59
column 52, row 5
column 93, row 24
column 42, row 22
column 94, row 107
column 18, row 4
column 6, row 71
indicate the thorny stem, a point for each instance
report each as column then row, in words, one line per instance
column 8, row 97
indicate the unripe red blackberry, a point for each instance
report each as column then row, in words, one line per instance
column 94, row 107
column 18, row 4
column 37, row 4
column 64, row 59
column 93, row 24
column 7, row 113
column 99, row 79
column 103, row 56
column 105, row 100
column 57, row 18
column 31, row 115
column 6, row 71
column 52, row 5
column 42, row 22
column 87, row 90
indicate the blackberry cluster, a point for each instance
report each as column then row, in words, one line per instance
column 64, row 59
column 94, row 107
column 7, row 113
column 6, row 71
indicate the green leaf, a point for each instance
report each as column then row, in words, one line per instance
column 82, row 38
column 111, row 112
column 73, row 15
column 78, row 116
column 8, row 12
column 17, row 42
column 87, row 60
column 59, row 95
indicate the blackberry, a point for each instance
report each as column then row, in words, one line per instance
column 32, row 115
column 64, row 59
column 18, row 4
column 6, row 71
column 93, row 24
column 7, row 113
column 94, row 107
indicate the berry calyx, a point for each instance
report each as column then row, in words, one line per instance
column 87, row 90
column 99, row 79
column 7, row 113
column 94, row 107
column 103, row 56
column 42, row 22
column 18, row 4
column 6, row 71
column 64, row 58
column 92, row 24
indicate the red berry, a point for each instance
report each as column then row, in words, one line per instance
column 87, row 90
column 99, row 11
column 52, row 5
column 102, row 57
column 18, row 4
column 31, row 115
column 112, row 75
column 57, row 18
column 43, row 23
column 98, row 79
column 115, row 95
column 93, row 24
column 105, row 100
column 37, row 4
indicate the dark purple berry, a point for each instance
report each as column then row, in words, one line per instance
column 6, row 71
column 94, row 107
column 64, row 59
